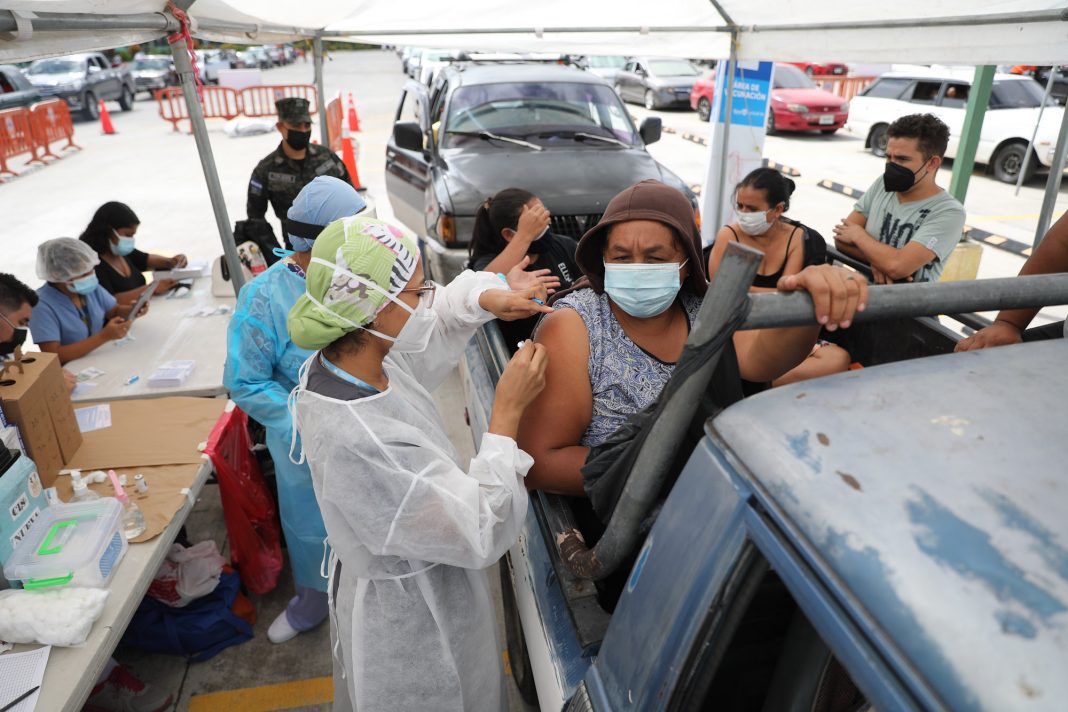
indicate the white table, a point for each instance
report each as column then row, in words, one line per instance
column 72, row 672
column 164, row 334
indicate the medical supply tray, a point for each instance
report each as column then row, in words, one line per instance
column 76, row 544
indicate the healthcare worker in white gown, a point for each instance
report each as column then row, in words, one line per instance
column 411, row 527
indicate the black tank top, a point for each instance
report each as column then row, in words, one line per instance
column 770, row 281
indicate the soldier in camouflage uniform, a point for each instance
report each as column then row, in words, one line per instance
column 280, row 176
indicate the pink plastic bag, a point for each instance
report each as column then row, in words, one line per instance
column 187, row 574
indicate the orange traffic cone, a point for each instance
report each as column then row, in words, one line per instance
column 105, row 119
column 354, row 120
column 348, row 157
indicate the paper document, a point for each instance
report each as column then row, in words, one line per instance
column 194, row 269
column 93, row 418
column 20, row 672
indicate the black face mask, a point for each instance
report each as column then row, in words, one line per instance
column 897, row 178
column 8, row 347
column 298, row 140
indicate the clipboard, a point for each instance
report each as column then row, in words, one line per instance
column 142, row 299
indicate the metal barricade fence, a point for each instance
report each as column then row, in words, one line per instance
column 845, row 87
column 216, row 103
column 16, row 138
column 51, row 121
column 335, row 119
column 259, row 100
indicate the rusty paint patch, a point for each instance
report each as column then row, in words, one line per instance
column 824, row 440
column 801, row 395
column 1028, row 690
column 849, row 480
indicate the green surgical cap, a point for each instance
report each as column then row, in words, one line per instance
column 335, row 303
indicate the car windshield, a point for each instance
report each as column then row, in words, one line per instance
column 1017, row 94
column 605, row 62
column 439, row 55
column 536, row 111
column 56, row 66
column 672, row 68
column 151, row 64
column 787, row 77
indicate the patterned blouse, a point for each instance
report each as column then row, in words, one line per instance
column 623, row 376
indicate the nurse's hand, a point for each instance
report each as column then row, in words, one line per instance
column 523, row 379
column 509, row 306
column 115, row 329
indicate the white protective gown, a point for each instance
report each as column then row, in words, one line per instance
column 413, row 529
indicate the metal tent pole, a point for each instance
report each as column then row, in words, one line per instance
column 1053, row 183
column 207, row 162
column 732, row 63
column 317, row 55
column 1034, row 131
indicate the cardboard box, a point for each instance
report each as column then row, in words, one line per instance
column 37, row 401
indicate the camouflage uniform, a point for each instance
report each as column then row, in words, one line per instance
column 278, row 178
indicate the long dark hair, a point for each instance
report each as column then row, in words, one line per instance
column 775, row 185
column 108, row 217
column 495, row 214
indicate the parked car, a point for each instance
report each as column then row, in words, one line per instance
column 822, row 541
column 414, row 62
column 797, row 104
column 607, row 67
column 836, row 69
column 1011, row 115
column 276, row 54
column 556, row 131
column 1060, row 81
column 154, row 73
column 82, row 80
column 656, row 82
column 256, row 58
column 15, row 89
column 433, row 60
column 210, row 61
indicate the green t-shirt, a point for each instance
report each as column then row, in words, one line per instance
column 937, row 223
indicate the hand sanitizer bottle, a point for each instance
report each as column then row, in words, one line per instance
column 133, row 521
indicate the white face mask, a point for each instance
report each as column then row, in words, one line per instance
column 754, row 223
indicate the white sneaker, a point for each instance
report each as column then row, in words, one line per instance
column 280, row 630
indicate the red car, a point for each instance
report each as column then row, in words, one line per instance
column 836, row 69
column 797, row 104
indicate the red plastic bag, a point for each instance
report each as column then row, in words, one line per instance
column 251, row 516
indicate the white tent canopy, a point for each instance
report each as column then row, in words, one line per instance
column 946, row 32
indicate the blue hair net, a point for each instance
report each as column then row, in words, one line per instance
column 321, row 202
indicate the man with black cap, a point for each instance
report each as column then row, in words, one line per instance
column 279, row 177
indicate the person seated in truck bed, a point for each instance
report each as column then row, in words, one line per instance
column 614, row 340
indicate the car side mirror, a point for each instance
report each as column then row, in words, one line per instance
column 93, row 69
column 408, row 135
column 651, row 129
column 641, row 72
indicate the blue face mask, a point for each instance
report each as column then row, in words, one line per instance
column 643, row 290
column 124, row 246
column 301, row 244
column 85, row 285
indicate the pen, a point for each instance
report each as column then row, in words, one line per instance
column 129, row 382
column 19, row 699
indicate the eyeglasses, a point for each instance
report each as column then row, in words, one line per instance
column 426, row 292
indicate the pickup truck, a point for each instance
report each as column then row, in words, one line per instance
column 15, row 89
column 82, row 80
column 889, row 538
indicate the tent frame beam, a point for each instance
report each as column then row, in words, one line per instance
column 147, row 21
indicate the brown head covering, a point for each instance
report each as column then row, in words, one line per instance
column 648, row 200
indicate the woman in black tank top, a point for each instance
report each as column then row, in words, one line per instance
column 760, row 201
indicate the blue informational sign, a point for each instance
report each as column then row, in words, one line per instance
column 752, row 86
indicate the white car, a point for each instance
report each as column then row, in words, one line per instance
column 433, row 60
column 1010, row 117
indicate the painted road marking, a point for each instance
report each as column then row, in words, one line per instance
column 283, row 696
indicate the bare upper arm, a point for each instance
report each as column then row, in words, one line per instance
column 719, row 247
column 559, row 416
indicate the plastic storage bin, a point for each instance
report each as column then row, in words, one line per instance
column 76, row 544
